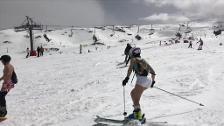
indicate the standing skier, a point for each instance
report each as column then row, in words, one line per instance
column 200, row 44
column 190, row 44
column 41, row 51
column 27, row 52
column 126, row 52
column 141, row 69
column 9, row 79
column 38, row 51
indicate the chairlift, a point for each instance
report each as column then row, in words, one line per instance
column 217, row 32
column 111, row 35
column 218, row 28
column 138, row 37
column 152, row 30
column 29, row 25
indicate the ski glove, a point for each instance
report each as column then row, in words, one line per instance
column 153, row 82
column 125, row 81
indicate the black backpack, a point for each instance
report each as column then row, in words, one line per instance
column 14, row 78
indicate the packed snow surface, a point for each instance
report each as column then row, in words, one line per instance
column 65, row 88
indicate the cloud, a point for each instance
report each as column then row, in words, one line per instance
column 195, row 9
column 166, row 18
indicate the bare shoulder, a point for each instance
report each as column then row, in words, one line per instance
column 9, row 67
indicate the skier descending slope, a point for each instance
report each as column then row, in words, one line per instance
column 126, row 52
column 141, row 69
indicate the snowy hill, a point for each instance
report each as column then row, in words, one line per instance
column 70, row 89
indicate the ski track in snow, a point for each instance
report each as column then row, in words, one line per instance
column 71, row 89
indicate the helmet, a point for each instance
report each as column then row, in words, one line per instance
column 5, row 58
column 135, row 52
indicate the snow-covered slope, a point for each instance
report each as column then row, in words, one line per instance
column 70, row 89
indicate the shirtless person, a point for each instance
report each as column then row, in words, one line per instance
column 8, row 84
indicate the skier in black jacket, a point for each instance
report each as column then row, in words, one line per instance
column 126, row 52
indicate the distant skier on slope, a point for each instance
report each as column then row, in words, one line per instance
column 9, row 79
column 190, row 44
column 141, row 68
column 41, row 51
column 38, row 51
column 126, row 52
column 200, row 44
column 27, row 52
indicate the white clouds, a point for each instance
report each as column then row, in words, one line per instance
column 206, row 9
column 166, row 18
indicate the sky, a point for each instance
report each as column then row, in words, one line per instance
column 108, row 12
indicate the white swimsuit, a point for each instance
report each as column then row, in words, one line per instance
column 143, row 81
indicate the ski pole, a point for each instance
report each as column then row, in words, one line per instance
column 125, row 113
column 132, row 78
column 179, row 96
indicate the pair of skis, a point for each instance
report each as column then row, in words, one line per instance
column 101, row 121
column 106, row 121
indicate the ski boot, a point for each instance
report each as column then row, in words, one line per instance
column 135, row 115
column 131, row 117
column 138, row 114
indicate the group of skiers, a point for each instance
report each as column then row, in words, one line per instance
column 142, row 69
column 40, row 51
column 200, row 44
column 140, row 66
column 137, row 64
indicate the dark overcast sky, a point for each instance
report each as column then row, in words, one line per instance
column 103, row 12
